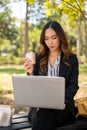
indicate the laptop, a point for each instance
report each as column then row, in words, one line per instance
column 39, row 91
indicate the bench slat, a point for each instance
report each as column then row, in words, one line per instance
column 19, row 116
column 20, row 122
column 20, row 126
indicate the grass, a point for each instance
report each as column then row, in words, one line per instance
column 6, row 88
column 6, row 73
column 12, row 69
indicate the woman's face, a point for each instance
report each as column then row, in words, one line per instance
column 51, row 40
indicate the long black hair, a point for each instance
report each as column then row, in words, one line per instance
column 64, row 45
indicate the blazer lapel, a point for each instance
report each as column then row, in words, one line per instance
column 62, row 68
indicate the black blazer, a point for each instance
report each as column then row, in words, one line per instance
column 70, row 73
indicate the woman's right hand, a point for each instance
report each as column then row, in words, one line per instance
column 28, row 66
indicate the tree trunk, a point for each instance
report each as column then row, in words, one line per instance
column 85, row 24
column 85, row 31
column 79, row 40
column 26, row 39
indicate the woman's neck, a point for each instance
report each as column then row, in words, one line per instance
column 54, row 54
column 52, row 57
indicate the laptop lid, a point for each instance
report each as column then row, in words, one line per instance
column 39, row 91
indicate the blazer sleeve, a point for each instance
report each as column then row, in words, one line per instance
column 72, row 83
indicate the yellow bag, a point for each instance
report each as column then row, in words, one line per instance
column 82, row 107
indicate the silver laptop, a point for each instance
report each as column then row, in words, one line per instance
column 39, row 91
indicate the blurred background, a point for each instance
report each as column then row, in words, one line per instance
column 21, row 22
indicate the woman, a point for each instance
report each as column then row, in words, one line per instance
column 55, row 59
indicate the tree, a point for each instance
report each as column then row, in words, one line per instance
column 7, row 26
column 8, row 31
column 31, row 11
column 73, row 10
column 76, row 12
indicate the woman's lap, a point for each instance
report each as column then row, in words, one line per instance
column 49, row 119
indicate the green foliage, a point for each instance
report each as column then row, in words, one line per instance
column 73, row 8
column 3, row 4
column 30, row 2
column 34, row 36
column 7, row 27
column 8, row 33
column 52, row 10
column 36, row 12
column 8, row 30
column 12, row 37
column 11, row 59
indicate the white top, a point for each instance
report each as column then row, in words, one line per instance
column 54, row 71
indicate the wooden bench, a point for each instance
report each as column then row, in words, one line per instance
column 20, row 122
